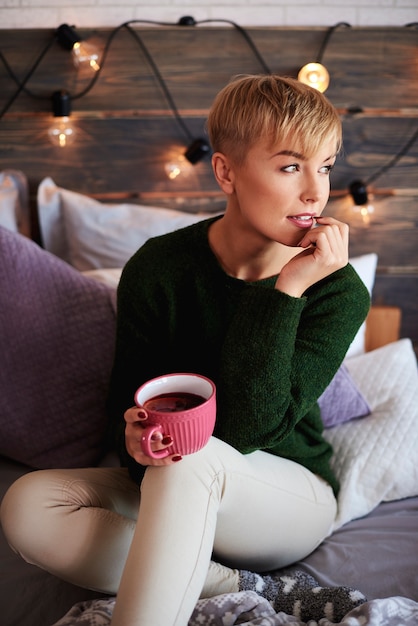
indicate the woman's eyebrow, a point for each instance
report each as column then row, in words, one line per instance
column 297, row 155
column 291, row 153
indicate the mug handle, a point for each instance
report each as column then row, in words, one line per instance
column 147, row 434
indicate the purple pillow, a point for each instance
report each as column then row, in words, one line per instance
column 341, row 400
column 57, row 331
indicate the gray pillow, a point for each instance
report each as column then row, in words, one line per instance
column 57, row 331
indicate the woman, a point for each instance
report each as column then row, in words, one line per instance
column 261, row 300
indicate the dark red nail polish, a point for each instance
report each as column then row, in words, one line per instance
column 167, row 440
column 177, row 458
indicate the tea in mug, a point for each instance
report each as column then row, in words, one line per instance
column 174, row 401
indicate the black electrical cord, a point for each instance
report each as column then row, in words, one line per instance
column 394, row 159
column 96, row 75
column 183, row 21
column 22, row 84
column 404, row 150
column 186, row 21
column 153, row 65
column 245, row 35
column 160, row 79
column 328, row 37
column 127, row 25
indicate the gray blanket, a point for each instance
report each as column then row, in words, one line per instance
column 249, row 609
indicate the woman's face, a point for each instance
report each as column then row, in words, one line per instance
column 277, row 190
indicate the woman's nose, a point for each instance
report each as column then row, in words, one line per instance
column 313, row 190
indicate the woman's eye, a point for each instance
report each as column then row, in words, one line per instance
column 326, row 169
column 291, row 168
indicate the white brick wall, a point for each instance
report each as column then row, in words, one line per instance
column 96, row 13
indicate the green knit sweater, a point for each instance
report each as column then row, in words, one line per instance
column 271, row 355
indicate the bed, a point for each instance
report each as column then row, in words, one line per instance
column 61, row 302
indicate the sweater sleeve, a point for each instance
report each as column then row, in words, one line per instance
column 280, row 353
column 139, row 337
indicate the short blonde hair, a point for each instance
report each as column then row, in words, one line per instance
column 271, row 107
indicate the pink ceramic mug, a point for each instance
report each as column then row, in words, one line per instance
column 180, row 405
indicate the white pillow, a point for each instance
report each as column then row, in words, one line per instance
column 91, row 235
column 8, row 209
column 110, row 276
column 365, row 266
column 14, row 210
column 375, row 458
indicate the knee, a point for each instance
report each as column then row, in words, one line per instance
column 206, row 468
column 18, row 509
column 210, row 460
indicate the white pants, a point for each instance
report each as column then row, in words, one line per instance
column 255, row 511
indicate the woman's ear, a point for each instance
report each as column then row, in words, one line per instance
column 223, row 172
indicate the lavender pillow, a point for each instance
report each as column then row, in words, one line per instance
column 341, row 400
column 57, row 332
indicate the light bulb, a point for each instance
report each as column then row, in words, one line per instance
column 182, row 164
column 361, row 205
column 85, row 54
column 315, row 75
column 61, row 132
column 364, row 211
column 176, row 166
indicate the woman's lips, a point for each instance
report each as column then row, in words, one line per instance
column 303, row 220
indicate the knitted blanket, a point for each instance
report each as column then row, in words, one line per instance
column 247, row 608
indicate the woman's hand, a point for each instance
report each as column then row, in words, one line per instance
column 133, row 433
column 326, row 251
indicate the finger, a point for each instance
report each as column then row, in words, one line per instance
column 343, row 228
column 327, row 236
column 159, row 441
column 327, row 219
column 166, row 461
column 133, row 437
column 145, row 460
column 337, row 234
column 133, row 414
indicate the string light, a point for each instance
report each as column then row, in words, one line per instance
column 83, row 53
column 61, row 132
column 181, row 163
column 191, row 155
column 315, row 74
column 358, row 188
column 358, row 192
column 198, row 149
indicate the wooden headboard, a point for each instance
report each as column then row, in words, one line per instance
column 126, row 128
column 383, row 325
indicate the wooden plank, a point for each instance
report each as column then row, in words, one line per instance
column 142, row 145
column 392, row 232
column 382, row 327
column 403, row 293
column 370, row 144
column 125, row 155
